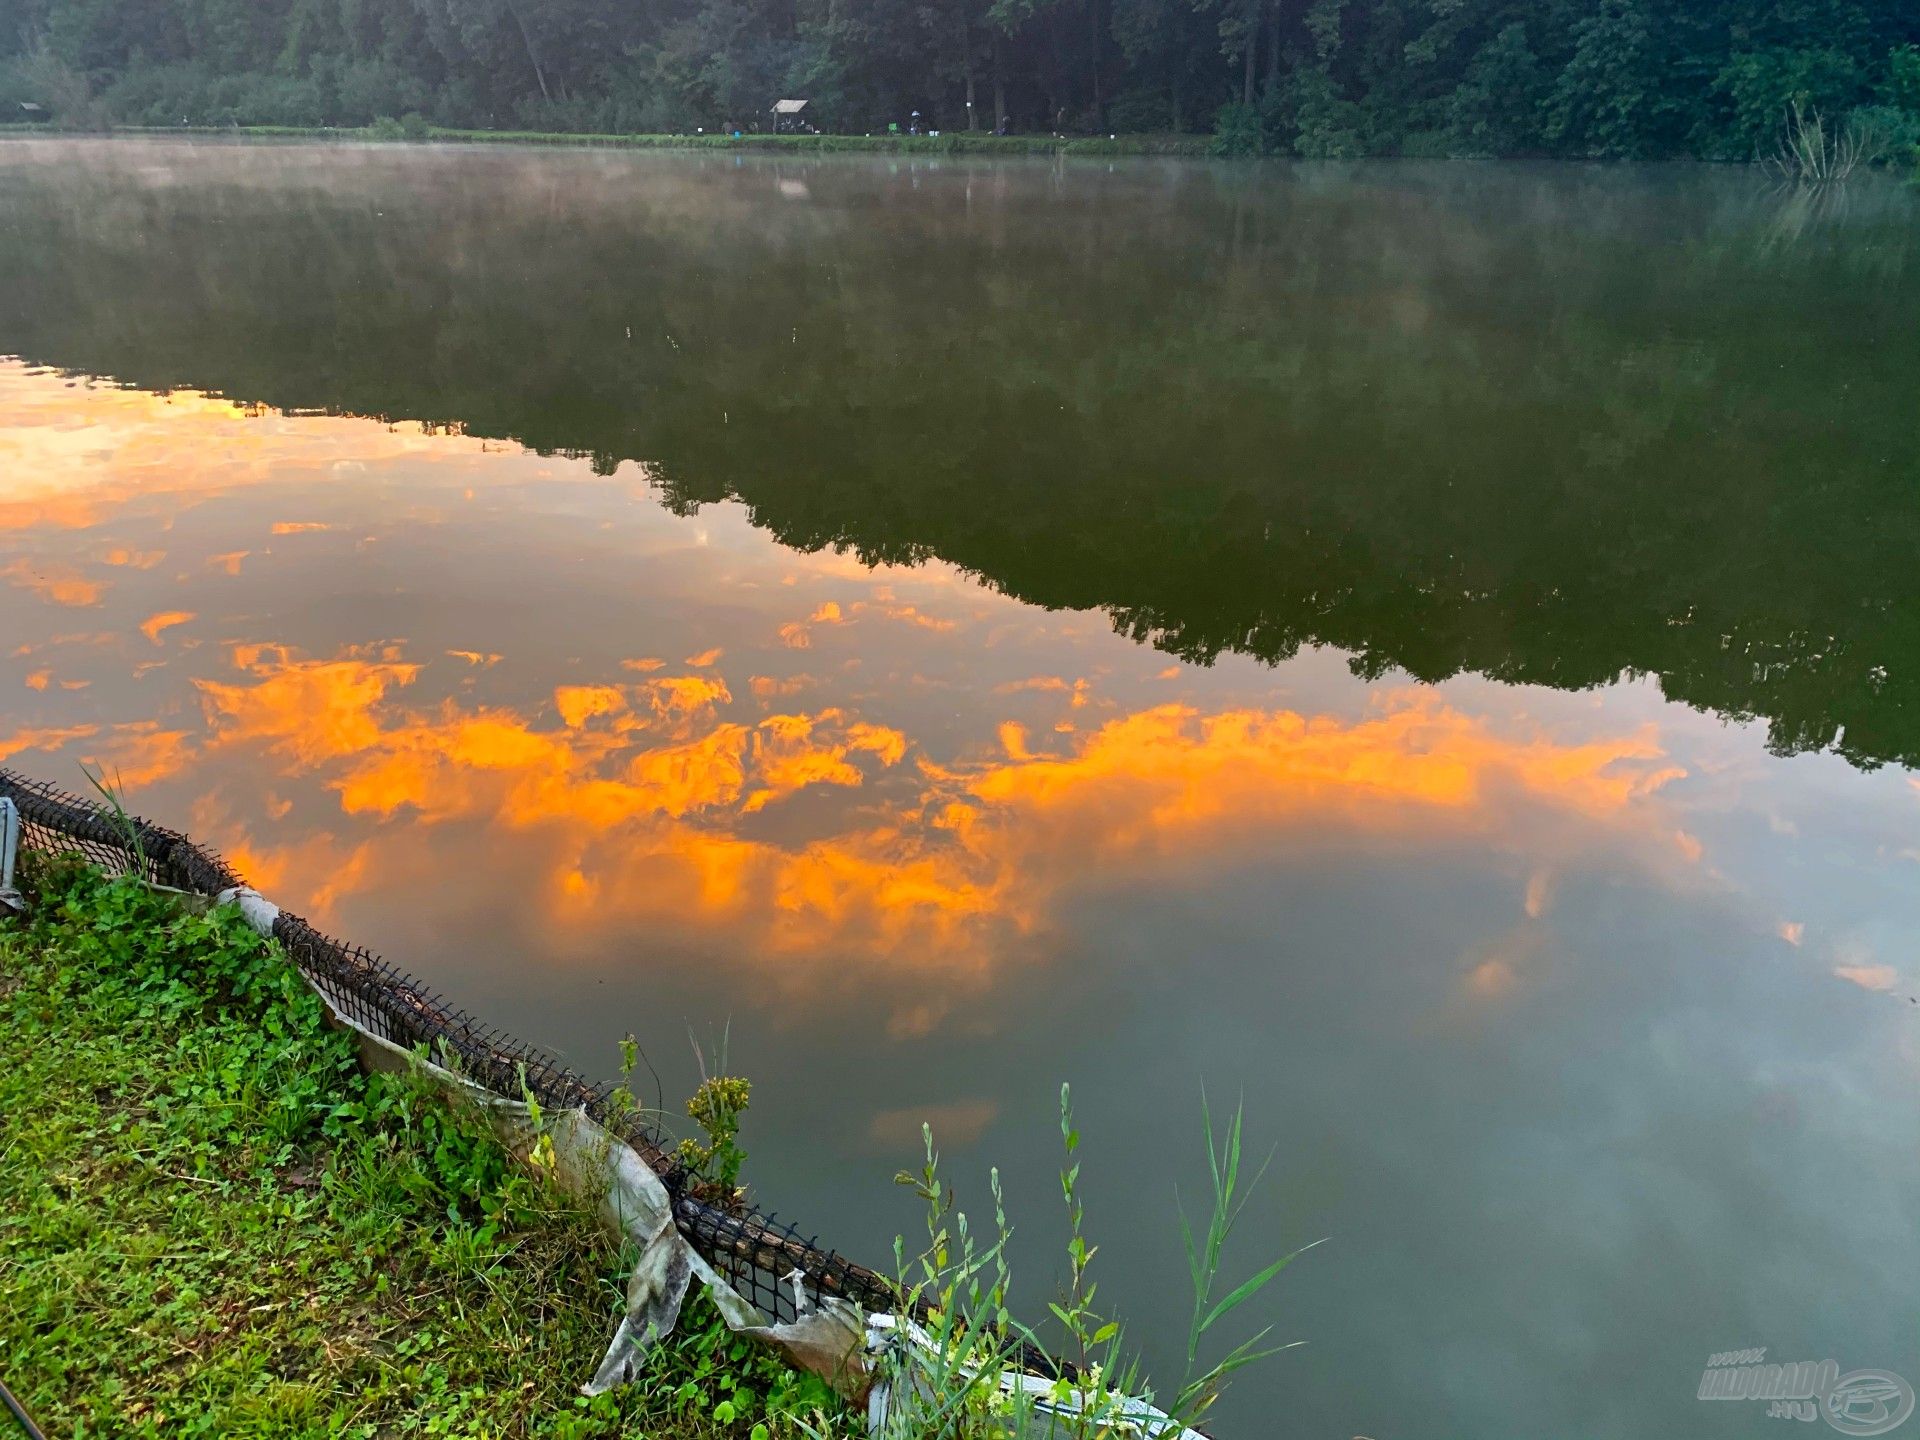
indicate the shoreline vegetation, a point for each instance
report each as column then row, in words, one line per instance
column 947, row 143
column 214, row 1222
column 1323, row 79
column 1790, row 163
column 1792, row 160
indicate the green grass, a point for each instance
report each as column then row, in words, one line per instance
column 950, row 143
column 212, row 1223
column 958, row 142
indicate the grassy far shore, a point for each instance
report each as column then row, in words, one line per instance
column 948, row 143
column 212, row 1223
column 960, row 142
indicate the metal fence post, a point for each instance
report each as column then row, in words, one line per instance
column 10, row 898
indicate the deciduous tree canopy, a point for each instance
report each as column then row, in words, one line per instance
column 1624, row 78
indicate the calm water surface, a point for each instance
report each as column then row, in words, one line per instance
column 1435, row 650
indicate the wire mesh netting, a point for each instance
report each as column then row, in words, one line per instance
column 755, row 1253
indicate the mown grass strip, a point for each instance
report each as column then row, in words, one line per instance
column 949, row 143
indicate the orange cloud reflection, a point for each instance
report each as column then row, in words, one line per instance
column 153, row 625
column 73, row 455
column 311, row 712
column 45, row 738
column 58, row 584
column 638, row 806
column 135, row 559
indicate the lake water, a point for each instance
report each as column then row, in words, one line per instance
column 1434, row 650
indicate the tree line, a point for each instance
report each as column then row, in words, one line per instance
column 1326, row 78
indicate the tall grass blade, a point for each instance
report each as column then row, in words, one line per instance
column 1254, row 1285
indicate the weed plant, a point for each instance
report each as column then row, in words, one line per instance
column 956, row 1340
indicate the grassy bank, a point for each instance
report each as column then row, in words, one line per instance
column 954, row 143
column 212, row 1223
column 957, row 143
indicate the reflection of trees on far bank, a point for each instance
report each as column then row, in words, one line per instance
column 1542, row 423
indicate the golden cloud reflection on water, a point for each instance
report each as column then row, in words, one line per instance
column 916, row 809
column 76, row 451
column 629, row 802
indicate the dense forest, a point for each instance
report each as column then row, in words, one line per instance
column 1329, row 78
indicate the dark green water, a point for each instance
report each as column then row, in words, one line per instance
column 1435, row 649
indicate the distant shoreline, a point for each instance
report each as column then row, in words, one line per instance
column 947, row 143
column 961, row 142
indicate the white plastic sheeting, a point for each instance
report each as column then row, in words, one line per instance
column 898, row 1349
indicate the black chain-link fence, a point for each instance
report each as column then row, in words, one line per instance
column 749, row 1247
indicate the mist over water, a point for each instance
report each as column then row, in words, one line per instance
column 1430, row 648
